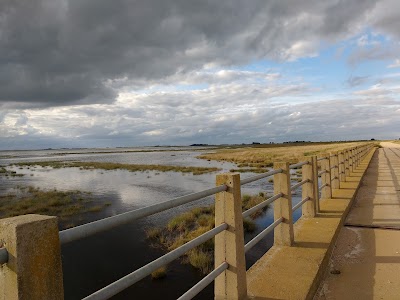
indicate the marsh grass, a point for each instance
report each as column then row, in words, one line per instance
column 64, row 204
column 117, row 166
column 7, row 173
column 189, row 225
column 257, row 159
column 159, row 273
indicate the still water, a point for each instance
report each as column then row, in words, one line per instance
column 94, row 262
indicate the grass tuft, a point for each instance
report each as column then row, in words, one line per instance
column 159, row 273
column 31, row 200
column 189, row 225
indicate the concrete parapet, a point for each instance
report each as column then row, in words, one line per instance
column 33, row 270
column 295, row 272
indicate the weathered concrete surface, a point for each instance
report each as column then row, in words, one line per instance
column 295, row 272
column 367, row 255
column 378, row 200
column 33, row 270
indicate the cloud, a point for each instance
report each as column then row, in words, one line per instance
column 64, row 52
column 354, row 81
column 395, row 64
column 226, row 113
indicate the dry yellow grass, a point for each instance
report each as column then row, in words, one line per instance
column 264, row 157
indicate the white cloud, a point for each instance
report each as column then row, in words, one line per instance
column 395, row 64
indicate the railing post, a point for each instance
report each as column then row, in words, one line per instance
column 355, row 154
column 347, row 154
column 351, row 160
column 342, row 176
column 326, row 192
column 309, row 207
column 33, row 270
column 229, row 244
column 283, row 233
column 315, row 181
column 334, row 169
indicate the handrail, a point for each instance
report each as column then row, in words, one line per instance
column 3, row 256
column 322, row 172
column 126, row 281
column 197, row 288
column 261, row 205
column 293, row 187
column 261, row 235
column 322, row 186
column 88, row 229
column 294, row 166
column 322, row 158
column 298, row 205
column 260, row 176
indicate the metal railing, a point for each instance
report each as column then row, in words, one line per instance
column 329, row 174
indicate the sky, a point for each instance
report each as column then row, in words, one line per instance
column 97, row 73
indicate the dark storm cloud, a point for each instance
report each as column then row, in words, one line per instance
column 58, row 52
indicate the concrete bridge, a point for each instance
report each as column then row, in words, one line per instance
column 346, row 244
column 351, row 249
column 367, row 252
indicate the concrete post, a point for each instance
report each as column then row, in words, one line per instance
column 342, row 176
column 34, row 268
column 351, row 160
column 315, row 182
column 334, row 169
column 347, row 154
column 283, row 233
column 229, row 244
column 326, row 192
column 354, row 160
column 307, row 190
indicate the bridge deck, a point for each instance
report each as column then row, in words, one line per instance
column 294, row 272
column 366, row 259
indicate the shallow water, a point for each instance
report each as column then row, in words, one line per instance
column 94, row 262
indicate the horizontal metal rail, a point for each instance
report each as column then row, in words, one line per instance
column 261, row 205
column 126, row 281
column 293, row 187
column 322, row 158
column 334, row 178
column 322, row 186
column 298, row 205
column 334, row 167
column 88, row 229
column 204, row 282
column 322, row 172
column 3, row 256
column 261, row 235
column 294, row 166
column 260, row 176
